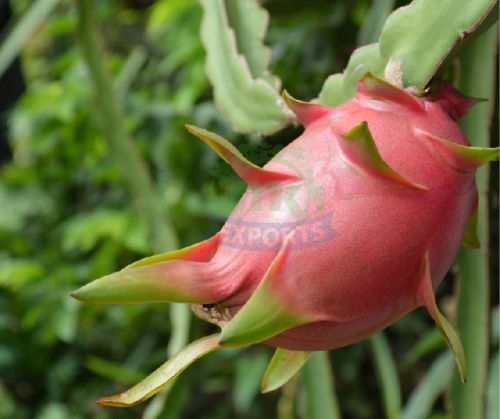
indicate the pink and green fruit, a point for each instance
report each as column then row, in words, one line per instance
column 348, row 228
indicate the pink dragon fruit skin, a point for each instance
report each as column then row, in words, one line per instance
column 387, row 228
column 388, row 224
column 348, row 228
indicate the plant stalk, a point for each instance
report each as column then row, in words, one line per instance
column 477, row 79
column 133, row 168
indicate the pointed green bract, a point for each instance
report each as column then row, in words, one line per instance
column 425, row 297
column 376, row 88
column 164, row 374
column 460, row 157
column 359, row 149
column 179, row 276
column 174, row 281
column 306, row 112
column 265, row 314
column 283, row 366
column 199, row 252
column 252, row 174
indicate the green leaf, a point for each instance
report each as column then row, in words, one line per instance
column 249, row 101
column 318, row 388
column 112, row 370
column 18, row 205
column 416, row 37
column 430, row 342
column 423, row 397
column 387, row 375
column 250, row 366
column 283, row 366
column 133, row 168
column 13, row 40
column 84, row 231
column 127, row 158
column 164, row 375
column 53, row 411
column 477, row 78
column 15, row 273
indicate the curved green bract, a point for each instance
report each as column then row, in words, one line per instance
column 283, row 366
column 266, row 313
column 236, row 66
column 419, row 36
column 252, row 174
column 359, row 149
column 425, row 296
column 163, row 375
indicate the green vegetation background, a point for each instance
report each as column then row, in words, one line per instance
column 66, row 216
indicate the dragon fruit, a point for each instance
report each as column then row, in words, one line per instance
column 348, row 228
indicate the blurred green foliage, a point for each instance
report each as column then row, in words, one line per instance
column 66, row 216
